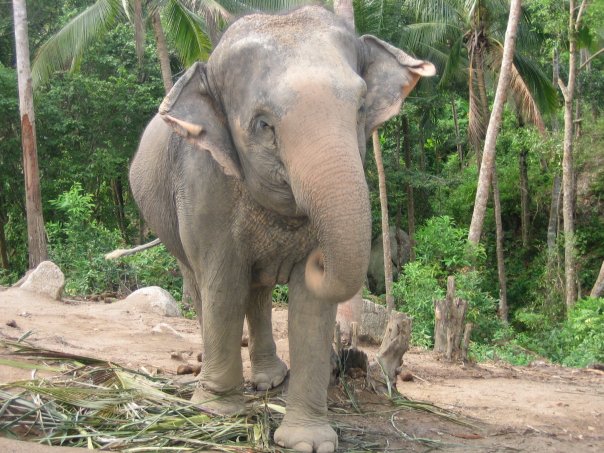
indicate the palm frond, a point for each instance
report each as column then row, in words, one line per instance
column 521, row 94
column 437, row 11
column 416, row 35
column 453, row 63
column 239, row 7
column 540, row 86
column 186, row 30
column 68, row 44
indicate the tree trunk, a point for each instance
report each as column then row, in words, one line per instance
column 449, row 323
column 118, row 202
column 503, row 293
column 555, row 77
column 524, row 198
column 33, row 200
column 399, row 208
column 410, row 197
column 377, row 150
column 568, row 177
column 457, row 134
column 139, row 33
column 488, row 159
column 345, row 9
column 3, row 247
column 598, row 289
column 162, row 52
column 554, row 209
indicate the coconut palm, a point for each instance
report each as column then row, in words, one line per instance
column 191, row 26
column 465, row 39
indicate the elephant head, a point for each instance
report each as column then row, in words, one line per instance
column 285, row 104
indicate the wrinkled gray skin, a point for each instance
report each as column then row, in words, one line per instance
column 252, row 175
column 375, row 271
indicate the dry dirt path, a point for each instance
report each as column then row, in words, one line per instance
column 539, row 409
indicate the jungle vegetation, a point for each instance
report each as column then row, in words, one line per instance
column 101, row 68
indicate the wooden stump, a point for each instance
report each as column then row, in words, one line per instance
column 382, row 372
column 449, row 325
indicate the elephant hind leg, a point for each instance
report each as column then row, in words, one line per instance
column 268, row 370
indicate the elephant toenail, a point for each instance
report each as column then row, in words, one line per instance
column 304, row 447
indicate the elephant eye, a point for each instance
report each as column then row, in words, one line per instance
column 264, row 131
column 361, row 113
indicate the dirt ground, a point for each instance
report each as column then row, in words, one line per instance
column 541, row 408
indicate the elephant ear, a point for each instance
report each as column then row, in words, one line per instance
column 193, row 113
column 390, row 75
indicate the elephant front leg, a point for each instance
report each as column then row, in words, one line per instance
column 220, row 386
column 268, row 370
column 311, row 322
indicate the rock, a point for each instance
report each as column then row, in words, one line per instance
column 47, row 279
column 160, row 300
column 372, row 319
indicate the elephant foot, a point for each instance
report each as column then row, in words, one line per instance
column 227, row 404
column 265, row 376
column 312, row 437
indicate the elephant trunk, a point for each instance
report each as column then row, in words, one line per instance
column 328, row 183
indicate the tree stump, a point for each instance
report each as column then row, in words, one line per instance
column 382, row 372
column 449, row 324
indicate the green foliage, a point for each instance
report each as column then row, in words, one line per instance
column 280, row 294
column 78, row 244
column 442, row 250
column 576, row 341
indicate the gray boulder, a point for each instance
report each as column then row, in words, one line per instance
column 158, row 299
column 372, row 319
column 46, row 279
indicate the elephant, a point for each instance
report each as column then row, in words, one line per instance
column 375, row 272
column 251, row 174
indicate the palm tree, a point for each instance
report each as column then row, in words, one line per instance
column 191, row 26
column 33, row 199
column 465, row 39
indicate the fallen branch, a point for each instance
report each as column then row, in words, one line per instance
column 127, row 252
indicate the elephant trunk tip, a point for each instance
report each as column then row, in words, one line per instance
column 321, row 285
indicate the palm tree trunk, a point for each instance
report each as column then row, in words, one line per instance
column 162, row 52
column 488, row 157
column 377, row 150
column 524, row 198
column 503, row 293
column 410, row 195
column 33, row 199
column 139, row 33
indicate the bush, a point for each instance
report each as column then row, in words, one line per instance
column 442, row 250
column 78, row 243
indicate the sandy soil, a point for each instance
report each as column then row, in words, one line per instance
column 538, row 408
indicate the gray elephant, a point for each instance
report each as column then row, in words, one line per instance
column 375, row 272
column 252, row 175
